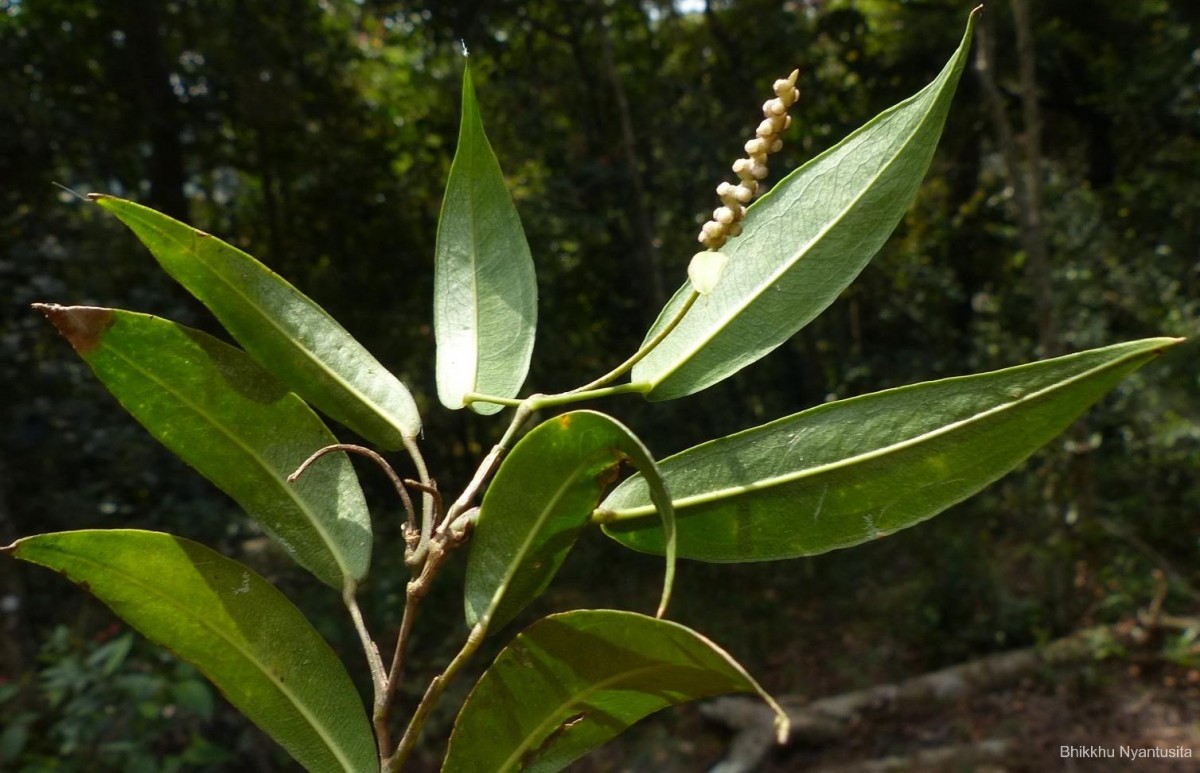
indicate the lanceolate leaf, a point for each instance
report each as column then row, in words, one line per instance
column 573, row 681
column 223, row 414
column 850, row 471
column 279, row 326
column 217, row 614
column 541, row 497
column 485, row 291
column 802, row 244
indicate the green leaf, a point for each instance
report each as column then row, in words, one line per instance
column 851, row 471
column 223, row 414
column 802, row 244
column 540, row 499
column 279, row 326
column 571, row 682
column 242, row 633
column 485, row 291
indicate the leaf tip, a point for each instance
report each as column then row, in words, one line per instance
column 97, row 196
column 1166, row 343
column 83, row 326
column 783, row 729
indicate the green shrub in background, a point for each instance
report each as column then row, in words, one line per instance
column 95, row 708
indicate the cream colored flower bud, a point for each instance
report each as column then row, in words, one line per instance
column 757, row 147
column 712, row 229
column 774, row 107
column 760, row 171
column 724, row 189
column 742, row 166
column 784, row 87
column 723, row 215
column 735, row 229
column 787, row 122
column 744, row 192
column 702, row 238
column 776, row 146
column 766, row 128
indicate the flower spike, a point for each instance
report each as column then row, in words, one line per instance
column 727, row 219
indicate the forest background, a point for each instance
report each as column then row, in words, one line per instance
column 1060, row 214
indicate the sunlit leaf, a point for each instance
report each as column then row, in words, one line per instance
column 279, row 326
column 854, row 470
column 571, row 682
column 244, row 635
column 223, row 414
column 541, row 497
column 485, row 291
column 802, row 244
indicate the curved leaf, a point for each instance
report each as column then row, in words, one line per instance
column 242, row 633
column 541, row 497
column 802, row 244
column 279, row 326
column 850, row 471
column 485, row 290
column 221, row 413
column 572, row 681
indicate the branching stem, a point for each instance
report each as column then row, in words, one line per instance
column 442, row 534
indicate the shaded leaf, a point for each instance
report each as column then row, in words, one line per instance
column 242, row 633
column 279, row 326
column 220, row 412
column 854, row 470
column 802, row 244
column 571, row 682
column 541, row 497
column 485, row 291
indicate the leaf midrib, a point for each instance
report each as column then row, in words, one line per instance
column 779, row 480
column 472, row 215
column 300, row 707
column 311, row 356
column 291, row 491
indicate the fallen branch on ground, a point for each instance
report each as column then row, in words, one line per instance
column 823, row 721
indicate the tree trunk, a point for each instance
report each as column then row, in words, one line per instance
column 647, row 260
column 1022, row 165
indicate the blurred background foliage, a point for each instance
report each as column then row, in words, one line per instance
column 317, row 136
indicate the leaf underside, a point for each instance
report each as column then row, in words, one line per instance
column 485, row 289
column 855, row 470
